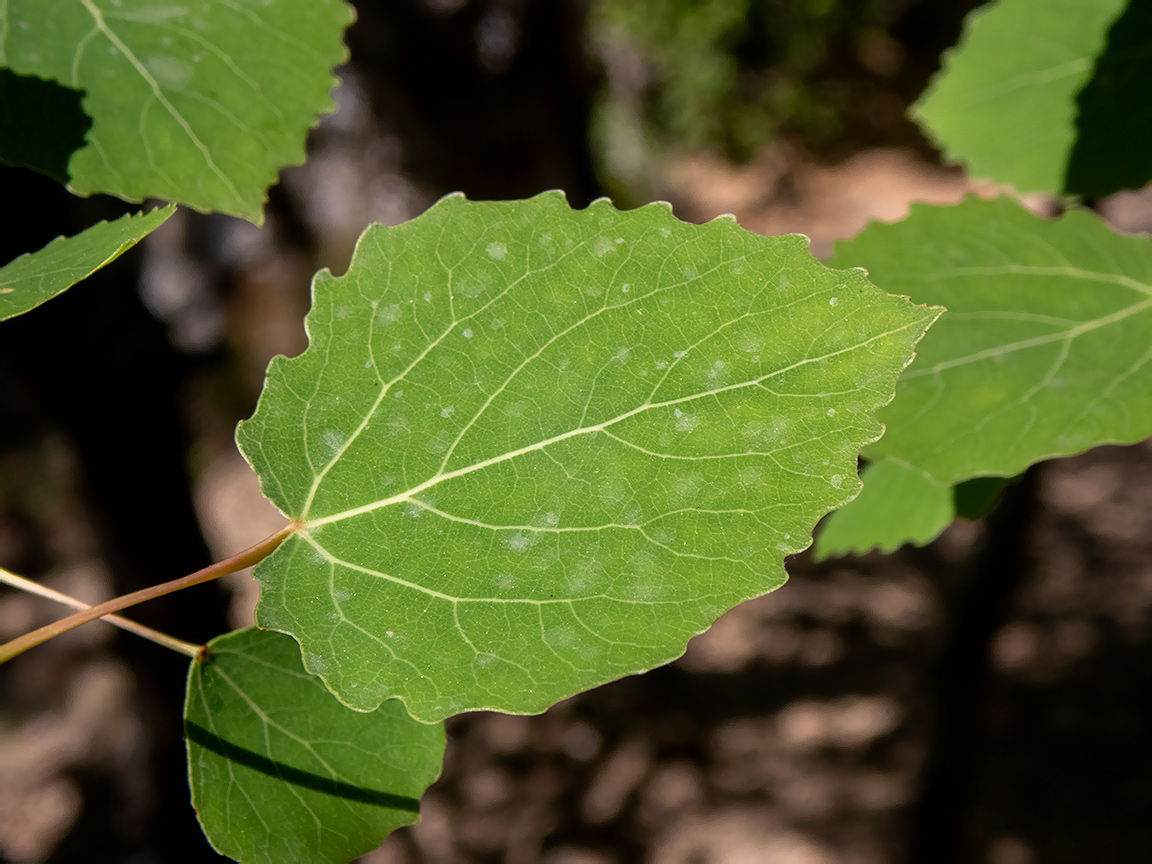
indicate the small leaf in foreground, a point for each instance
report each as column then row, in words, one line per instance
column 897, row 505
column 533, row 449
column 1046, row 347
column 1005, row 99
column 201, row 105
column 37, row 277
column 280, row 771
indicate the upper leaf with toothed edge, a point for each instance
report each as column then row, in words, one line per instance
column 1043, row 352
column 199, row 103
column 533, row 449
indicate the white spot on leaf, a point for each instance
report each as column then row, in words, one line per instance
column 686, row 422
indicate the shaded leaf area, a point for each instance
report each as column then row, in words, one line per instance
column 37, row 277
column 281, row 771
column 1006, row 100
column 897, row 505
column 534, row 449
column 1114, row 114
column 974, row 498
column 41, row 124
column 202, row 106
column 1044, row 350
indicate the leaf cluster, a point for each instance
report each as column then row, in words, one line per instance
column 530, row 449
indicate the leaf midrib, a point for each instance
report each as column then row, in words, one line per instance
column 307, row 523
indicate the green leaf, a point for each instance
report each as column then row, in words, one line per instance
column 897, row 505
column 280, row 771
column 37, row 277
column 199, row 105
column 1044, row 350
column 1004, row 101
column 532, row 449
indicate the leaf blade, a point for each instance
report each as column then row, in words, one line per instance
column 897, row 505
column 281, row 771
column 1043, row 352
column 1004, row 102
column 36, row 277
column 534, row 449
column 225, row 93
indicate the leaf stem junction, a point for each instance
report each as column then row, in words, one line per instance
column 239, row 561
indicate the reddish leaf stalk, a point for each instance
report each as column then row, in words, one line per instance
column 10, row 578
column 239, row 561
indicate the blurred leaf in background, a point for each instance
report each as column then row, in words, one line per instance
column 725, row 75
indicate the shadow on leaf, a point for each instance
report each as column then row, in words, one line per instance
column 41, row 124
column 278, row 770
column 1114, row 115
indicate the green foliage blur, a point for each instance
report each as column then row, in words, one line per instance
column 723, row 75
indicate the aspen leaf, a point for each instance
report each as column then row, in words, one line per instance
column 532, row 449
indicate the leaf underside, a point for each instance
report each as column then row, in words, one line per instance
column 197, row 104
column 281, row 771
column 533, row 449
column 1044, row 350
column 37, row 277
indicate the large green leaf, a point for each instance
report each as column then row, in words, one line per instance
column 532, row 450
column 198, row 104
column 36, row 277
column 1044, row 350
column 897, row 505
column 280, row 771
column 1005, row 100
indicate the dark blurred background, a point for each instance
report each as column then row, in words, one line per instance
column 982, row 700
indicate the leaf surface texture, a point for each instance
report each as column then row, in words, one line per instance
column 281, row 771
column 1006, row 99
column 534, row 449
column 1046, row 347
column 897, row 505
column 201, row 103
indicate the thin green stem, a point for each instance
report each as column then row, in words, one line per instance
column 247, row 558
column 10, row 578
